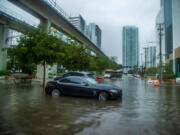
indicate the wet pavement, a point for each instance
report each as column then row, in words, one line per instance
column 143, row 110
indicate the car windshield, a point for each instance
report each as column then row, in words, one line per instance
column 91, row 75
column 92, row 81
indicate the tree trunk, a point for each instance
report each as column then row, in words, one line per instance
column 44, row 75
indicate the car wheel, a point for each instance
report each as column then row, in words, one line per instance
column 103, row 96
column 55, row 93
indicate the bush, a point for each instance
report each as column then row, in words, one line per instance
column 151, row 71
column 130, row 71
column 4, row 72
column 168, row 76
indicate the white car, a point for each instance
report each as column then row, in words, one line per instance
column 107, row 75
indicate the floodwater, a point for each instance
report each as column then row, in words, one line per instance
column 143, row 110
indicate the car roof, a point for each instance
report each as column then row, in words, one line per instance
column 80, row 77
column 81, row 72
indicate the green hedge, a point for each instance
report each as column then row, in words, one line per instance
column 168, row 76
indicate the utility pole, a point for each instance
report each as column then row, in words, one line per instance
column 160, row 29
column 145, row 56
column 141, row 68
column 141, row 60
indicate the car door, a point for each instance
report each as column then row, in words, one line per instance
column 81, row 88
column 66, row 86
column 71, row 86
column 87, row 90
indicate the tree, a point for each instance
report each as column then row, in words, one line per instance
column 102, row 63
column 113, row 63
column 152, row 70
column 119, row 66
column 77, row 57
column 93, row 64
column 19, row 61
column 37, row 47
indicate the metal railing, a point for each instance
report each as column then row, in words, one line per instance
column 54, row 5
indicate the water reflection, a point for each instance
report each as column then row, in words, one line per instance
column 143, row 110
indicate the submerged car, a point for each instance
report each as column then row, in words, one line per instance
column 80, row 74
column 82, row 87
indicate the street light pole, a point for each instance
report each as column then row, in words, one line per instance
column 160, row 29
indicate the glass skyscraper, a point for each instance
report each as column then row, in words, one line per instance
column 167, row 4
column 130, row 47
column 79, row 23
column 151, row 56
column 169, row 15
column 95, row 34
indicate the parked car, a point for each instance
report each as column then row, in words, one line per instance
column 83, row 87
column 107, row 75
column 80, row 74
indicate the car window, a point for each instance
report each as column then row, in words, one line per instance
column 77, row 74
column 91, row 81
column 76, row 80
column 65, row 81
column 91, row 75
column 67, row 74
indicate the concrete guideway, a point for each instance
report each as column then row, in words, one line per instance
column 50, row 16
column 14, row 23
column 8, row 22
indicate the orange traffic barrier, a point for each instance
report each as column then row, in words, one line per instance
column 153, row 83
column 173, row 81
column 163, row 82
column 158, row 84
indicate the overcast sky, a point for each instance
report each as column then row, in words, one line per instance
column 112, row 15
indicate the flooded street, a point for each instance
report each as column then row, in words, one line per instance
column 144, row 110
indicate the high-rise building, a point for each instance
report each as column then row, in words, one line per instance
column 160, row 20
column 167, row 4
column 169, row 16
column 79, row 23
column 95, row 34
column 151, row 56
column 130, row 47
column 87, row 32
column 164, row 17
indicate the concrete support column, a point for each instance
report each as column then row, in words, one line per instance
column 45, row 25
column 3, row 44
